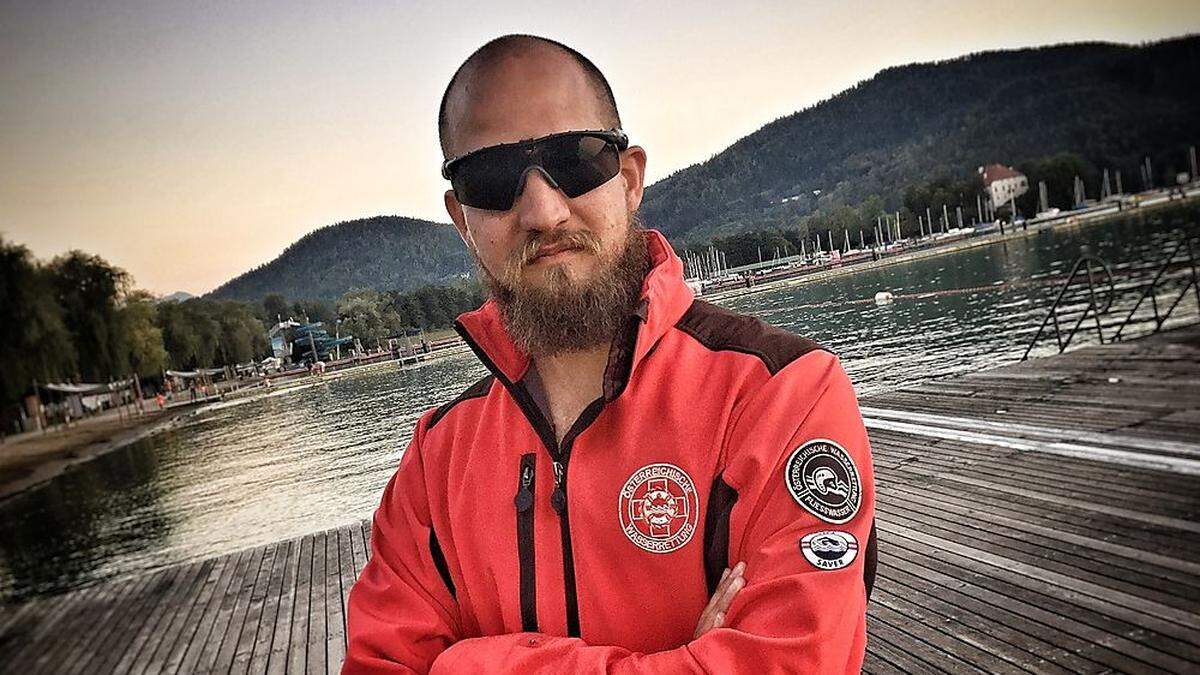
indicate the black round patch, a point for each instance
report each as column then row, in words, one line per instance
column 823, row 479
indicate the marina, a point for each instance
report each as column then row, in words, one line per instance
column 1038, row 517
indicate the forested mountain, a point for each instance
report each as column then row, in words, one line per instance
column 384, row 253
column 1102, row 105
column 1109, row 104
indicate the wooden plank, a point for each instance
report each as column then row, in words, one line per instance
column 120, row 617
column 928, row 629
column 27, row 634
column 261, row 651
column 149, row 608
column 135, row 611
column 210, row 628
column 174, row 621
column 1015, row 637
column 1173, row 569
column 1135, row 483
column 1058, row 621
column 1052, row 606
column 276, row 660
column 315, row 659
column 298, row 644
column 63, row 626
column 335, row 599
column 10, row 614
column 212, row 587
column 244, row 644
column 1077, row 567
column 166, row 600
column 921, row 656
column 1165, row 540
column 221, row 656
column 1161, row 618
column 1152, row 519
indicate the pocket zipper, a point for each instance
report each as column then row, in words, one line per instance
column 525, row 553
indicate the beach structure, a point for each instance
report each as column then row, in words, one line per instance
column 1003, row 184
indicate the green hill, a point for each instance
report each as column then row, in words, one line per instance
column 384, row 253
column 1111, row 105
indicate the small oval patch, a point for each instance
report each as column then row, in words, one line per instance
column 829, row 549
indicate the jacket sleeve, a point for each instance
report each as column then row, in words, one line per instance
column 797, row 454
column 401, row 612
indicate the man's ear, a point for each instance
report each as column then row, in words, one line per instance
column 455, row 210
column 633, row 171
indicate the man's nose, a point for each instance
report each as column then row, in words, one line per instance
column 541, row 205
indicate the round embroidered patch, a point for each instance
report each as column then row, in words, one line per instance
column 829, row 549
column 658, row 507
column 823, row 479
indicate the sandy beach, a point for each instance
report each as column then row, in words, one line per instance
column 32, row 459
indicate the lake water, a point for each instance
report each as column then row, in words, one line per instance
column 297, row 461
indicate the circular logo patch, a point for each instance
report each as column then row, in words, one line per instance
column 823, row 479
column 829, row 549
column 658, row 507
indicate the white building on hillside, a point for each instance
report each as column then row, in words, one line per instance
column 1003, row 183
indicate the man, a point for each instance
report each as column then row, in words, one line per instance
column 579, row 508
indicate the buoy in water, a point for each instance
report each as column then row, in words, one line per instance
column 884, row 298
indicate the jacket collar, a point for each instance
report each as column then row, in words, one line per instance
column 664, row 299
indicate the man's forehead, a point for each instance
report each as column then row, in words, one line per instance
column 525, row 94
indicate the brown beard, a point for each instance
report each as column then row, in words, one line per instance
column 562, row 314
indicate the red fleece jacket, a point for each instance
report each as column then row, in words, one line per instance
column 718, row 439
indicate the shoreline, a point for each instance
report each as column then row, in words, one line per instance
column 24, row 466
column 953, row 247
column 66, row 448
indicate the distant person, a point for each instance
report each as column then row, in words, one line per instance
column 644, row 482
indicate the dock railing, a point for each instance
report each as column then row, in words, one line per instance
column 1082, row 278
column 1182, row 246
column 1078, row 297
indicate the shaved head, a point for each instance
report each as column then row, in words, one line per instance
column 521, row 58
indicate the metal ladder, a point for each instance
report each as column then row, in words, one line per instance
column 1082, row 280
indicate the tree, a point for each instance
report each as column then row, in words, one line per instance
column 34, row 340
column 368, row 315
column 144, row 338
column 89, row 289
column 275, row 307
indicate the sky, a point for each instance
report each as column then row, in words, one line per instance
column 188, row 142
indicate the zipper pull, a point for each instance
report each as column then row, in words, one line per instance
column 524, row 498
column 558, row 498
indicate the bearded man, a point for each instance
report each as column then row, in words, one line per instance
column 644, row 482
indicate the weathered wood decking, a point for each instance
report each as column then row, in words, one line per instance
column 1040, row 517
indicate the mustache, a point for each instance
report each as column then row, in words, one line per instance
column 582, row 240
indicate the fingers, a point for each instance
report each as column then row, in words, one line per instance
column 727, row 589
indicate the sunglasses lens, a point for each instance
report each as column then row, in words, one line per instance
column 489, row 179
column 578, row 163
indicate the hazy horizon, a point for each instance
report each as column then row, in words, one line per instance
column 189, row 144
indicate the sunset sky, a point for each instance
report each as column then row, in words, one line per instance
column 190, row 141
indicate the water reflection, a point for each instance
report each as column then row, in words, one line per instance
column 255, row 471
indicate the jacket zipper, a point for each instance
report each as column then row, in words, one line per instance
column 560, row 457
column 558, row 500
column 525, row 542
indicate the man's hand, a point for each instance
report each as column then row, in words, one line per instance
column 713, row 615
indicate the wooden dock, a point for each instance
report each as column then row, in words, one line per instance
column 1042, row 517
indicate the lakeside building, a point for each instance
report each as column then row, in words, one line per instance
column 1003, row 183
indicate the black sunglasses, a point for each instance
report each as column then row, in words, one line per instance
column 573, row 161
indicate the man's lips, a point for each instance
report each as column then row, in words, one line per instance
column 553, row 250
